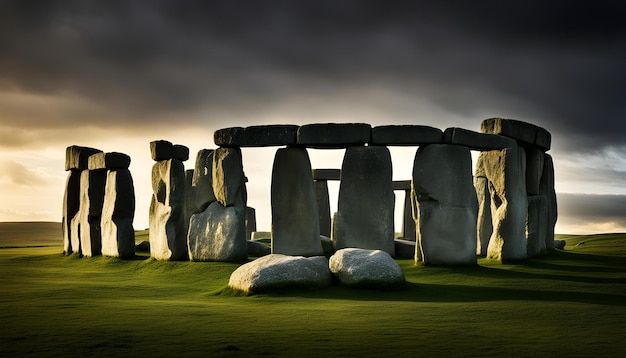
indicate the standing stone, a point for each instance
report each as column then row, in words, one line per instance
column 546, row 188
column 167, row 211
column 228, row 176
column 218, row 234
column 250, row 222
column 536, row 222
column 118, row 233
column 365, row 210
column 323, row 206
column 189, row 196
column 71, row 205
column 408, row 224
column 534, row 168
column 295, row 221
column 86, row 230
column 202, row 182
column 484, row 225
column 446, row 203
column 504, row 169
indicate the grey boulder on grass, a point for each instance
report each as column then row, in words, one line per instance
column 366, row 268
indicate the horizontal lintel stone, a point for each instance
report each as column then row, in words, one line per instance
column 525, row 133
column 112, row 160
column 334, row 135
column 401, row 185
column 476, row 140
column 77, row 157
column 406, row 135
column 161, row 150
column 326, row 174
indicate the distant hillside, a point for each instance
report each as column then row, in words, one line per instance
column 14, row 234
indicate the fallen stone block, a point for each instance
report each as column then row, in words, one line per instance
column 366, row 268
column 87, row 220
column 334, row 135
column 77, row 157
column 250, row 222
column 534, row 168
column 366, row 204
column 228, row 177
column 218, row 234
column 111, row 160
column 405, row 135
column 323, row 206
column 295, row 221
column 277, row 272
column 475, row 140
column 257, row 249
column 71, row 205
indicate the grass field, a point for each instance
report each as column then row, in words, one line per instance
column 570, row 304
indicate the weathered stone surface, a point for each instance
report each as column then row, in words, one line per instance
column 111, row 160
column 405, row 135
column 326, row 174
column 71, row 205
column 546, row 188
column 408, row 224
column 365, row 209
column 559, row 244
column 257, row 249
column 118, row 234
column 228, row 177
column 230, row 137
column 168, row 239
column 334, row 135
column 250, row 222
column 180, row 152
column 86, row 230
column 476, row 140
column 328, row 246
column 504, row 169
column 536, row 222
column 275, row 272
column 295, row 221
column 447, row 208
column 484, row 224
column 366, row 268
column 405, row 249
column 218, row 234
column 525, row 133
column 270, row 135
column 534, row 168
column 77, row 157
column 161, row 150
column 323, row 206
column 202, row 182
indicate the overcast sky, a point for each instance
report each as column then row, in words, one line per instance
column 116, row 75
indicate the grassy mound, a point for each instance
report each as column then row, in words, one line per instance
column 572, row 303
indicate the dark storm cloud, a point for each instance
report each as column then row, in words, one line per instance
column 560, row 65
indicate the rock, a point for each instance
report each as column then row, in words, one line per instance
column 118, row 212
column 543, row 139
column 560, row 244
column 484, row 224
column 408, row 224
column 546, row 188
column 271, row 135
column 334, row 135
column 405, row 135
column 526, row 134
column 143, row 246
column 228, row 177
column 295, row 221
column 275, row 272
column 366, row 204
column 536, row 221
column 202, row 182
column 261, row 235
column 111, row 160
column 168, row 237
column 328, row 246
column 475, row 140
column 218, row 234
column 447, row 207
column 405, row 249
column 326, row 174
column 323, row 206
column 534, row 168
column 71, row 205
column 161, row 150
column 504, row 169
column 180, row 152
column 86, row 225
column 366, row 268
column 77, row 157
column 229, row 137
column 250, row 222
column 257, row 249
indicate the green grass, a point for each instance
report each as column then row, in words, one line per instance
column 570, row 304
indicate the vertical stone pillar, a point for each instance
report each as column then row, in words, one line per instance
column 408, row 224
column 118, row 212
column 365, row 209
column 447, row 207
column 75, row 207
column 218, row 233
column 504, row 169
column 167, row 207
column 536, row 222
column 323, row 206
column 295, row 221
column 250, row 222
column 546, row 188
column 484, row 225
